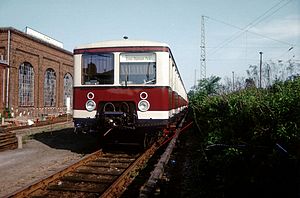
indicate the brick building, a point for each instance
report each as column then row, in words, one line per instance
column 36, row 77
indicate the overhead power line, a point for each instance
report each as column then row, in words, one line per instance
column 256, row 21
column 265, row 15
column 261, row 35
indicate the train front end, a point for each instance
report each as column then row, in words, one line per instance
column 123, row 84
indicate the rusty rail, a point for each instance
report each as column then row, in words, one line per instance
column 71, row 180
column 148, row 188
column 112, row 187
column 26, row 191
column 119, row 186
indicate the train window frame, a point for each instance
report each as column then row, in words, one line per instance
column 91, row 63
column 135, row 60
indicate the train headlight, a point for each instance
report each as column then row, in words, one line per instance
column 143, row 105
column 90, row 105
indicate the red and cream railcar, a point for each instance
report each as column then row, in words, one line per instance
column 126, row 84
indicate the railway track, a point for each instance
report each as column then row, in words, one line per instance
column 99, row 174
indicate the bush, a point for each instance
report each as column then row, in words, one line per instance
column 252, row 116
column 253, row 135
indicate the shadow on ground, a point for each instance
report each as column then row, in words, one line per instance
column 66, row 139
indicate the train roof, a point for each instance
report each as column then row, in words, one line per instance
column 123, row 43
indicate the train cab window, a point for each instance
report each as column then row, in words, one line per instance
column 137, row 68
column 97, row 69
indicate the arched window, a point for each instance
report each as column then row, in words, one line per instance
column 68, row 88
column 50, row 88
column 26, row 85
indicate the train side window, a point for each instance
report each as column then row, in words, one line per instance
column 97, row 69
column 137, row 68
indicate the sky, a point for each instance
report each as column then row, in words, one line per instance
column 235, row 30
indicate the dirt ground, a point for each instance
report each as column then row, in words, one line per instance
column 45, row 151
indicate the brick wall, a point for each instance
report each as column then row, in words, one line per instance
column 41, row 55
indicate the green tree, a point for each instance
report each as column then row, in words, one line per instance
column 206, row 87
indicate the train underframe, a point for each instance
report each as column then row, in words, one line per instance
column 119, row 120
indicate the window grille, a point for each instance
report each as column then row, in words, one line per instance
column 50, row 88
column 26, row 85
column 68, row 88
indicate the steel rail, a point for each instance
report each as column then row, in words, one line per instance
column 26, row 191
column 148, row 188
column 120, row 185
column 117, row 186
column 112, row 188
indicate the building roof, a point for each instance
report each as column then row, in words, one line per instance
column 5, row 29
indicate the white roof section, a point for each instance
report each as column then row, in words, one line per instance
column 123, row 43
